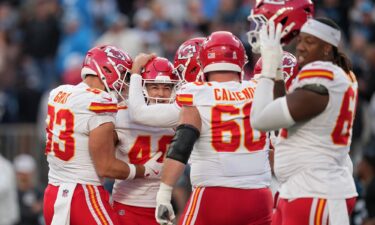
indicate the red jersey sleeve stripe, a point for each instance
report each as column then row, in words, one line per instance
column 97, row 110
column 184, row 99
column 185, row 96
column 307, row 73
column 102, row 108
column 317, row 71
column 316, row 74
column 187, row 103
column 103, row 104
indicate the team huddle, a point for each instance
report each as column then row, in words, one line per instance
column 141, row 121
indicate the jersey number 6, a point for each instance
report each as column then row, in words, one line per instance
column 342, row 132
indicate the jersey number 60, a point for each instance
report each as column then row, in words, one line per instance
column 236, row 131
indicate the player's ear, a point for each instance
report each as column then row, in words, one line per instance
column 327, row 49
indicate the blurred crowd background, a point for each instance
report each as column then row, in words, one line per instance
column 43, row 43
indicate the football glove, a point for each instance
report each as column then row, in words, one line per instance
column 271, row 50
column 164, row 213
column 153, row 167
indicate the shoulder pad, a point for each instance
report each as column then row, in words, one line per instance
column 102, row 103
column 317, row 69
column 315, row 73
column 187, row 94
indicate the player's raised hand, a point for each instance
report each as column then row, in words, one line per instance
column 153, row 167
column 270, row 48
column 140, row 61
column 164, row 213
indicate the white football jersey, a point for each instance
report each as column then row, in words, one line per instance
column 73, row 111
column 228, row 153
column 137, row 144
column 311, row 156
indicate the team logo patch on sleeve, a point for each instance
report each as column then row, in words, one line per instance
column 103, row 107
column 325, row 74
column 184, row 99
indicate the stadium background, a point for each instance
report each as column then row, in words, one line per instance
column 43, row 42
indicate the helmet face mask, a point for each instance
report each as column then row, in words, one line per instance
column 121, row 85
column 159, row 85
column 290, row 13
column 256, row 23
column 110, row 64
column 159, row 71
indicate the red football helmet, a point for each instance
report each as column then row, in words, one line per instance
column 111, row 64
column 160, row 71
column 185, row 60
column 222, row 51
column 285, row 12
column 290, row 68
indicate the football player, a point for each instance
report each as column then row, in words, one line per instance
column 230, row 171
column 165, row 115
column 289, row 73
column 80, row 148
column 311, row 158
column 135, row 200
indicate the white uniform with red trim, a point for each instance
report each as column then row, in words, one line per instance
column 137, row 144
column 228, row 153
column 73, row 111
column 311, row 158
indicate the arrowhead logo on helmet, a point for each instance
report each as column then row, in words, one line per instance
column 185, row 60
column 110, row 64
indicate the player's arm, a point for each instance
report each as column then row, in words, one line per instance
column 304, row 104
column 279, row 89
column 158, row 115
column 102, row 150
column 182, row 144
column 178, row 154
column 300, row 105
column 269, row 114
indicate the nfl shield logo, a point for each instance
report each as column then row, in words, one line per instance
column 65, row 193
